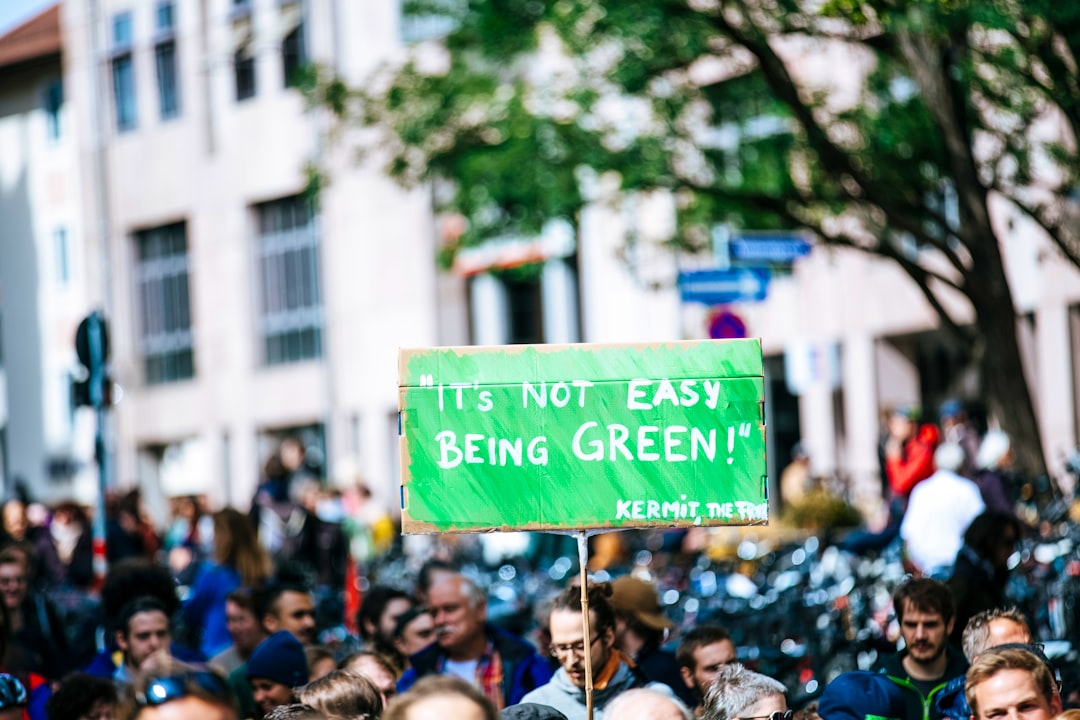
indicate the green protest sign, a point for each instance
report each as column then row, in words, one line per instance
column 570, row 437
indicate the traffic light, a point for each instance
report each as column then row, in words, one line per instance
column 93, row 387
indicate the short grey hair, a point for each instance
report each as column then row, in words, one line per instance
column 624, row 704
column 976, row 639
column 949, row 456
column 736, row 689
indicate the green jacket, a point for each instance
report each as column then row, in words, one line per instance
column 919, row 705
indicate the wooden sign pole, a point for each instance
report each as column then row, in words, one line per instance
column 583, row 561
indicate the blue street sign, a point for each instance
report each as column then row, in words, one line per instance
column 779, row 248
column 718, row 287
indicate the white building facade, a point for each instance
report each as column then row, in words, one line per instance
column 174, row 199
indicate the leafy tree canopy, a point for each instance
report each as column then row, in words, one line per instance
column 875, row 124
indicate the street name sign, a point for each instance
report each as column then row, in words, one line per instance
column 777, row 248
column 721, row 286
column 577, row 437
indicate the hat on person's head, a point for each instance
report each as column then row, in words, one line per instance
column 280, row 658
column 950, row 408
column 530, row 711
column 911, row 411
column 631, row 596
column 860, row 695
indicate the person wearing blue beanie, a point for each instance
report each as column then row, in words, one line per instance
column 275, row 668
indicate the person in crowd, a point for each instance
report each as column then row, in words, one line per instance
column 378, row 615
column 641, row 628
column 439, row 697
column 244, row 628
column 647, row 704
column 343, row 695
column 908, row 450
column 991, row 628
column 128, row 533
column 981, row 571
column 993, row 474
column 795, row 478
column 295, row 711
column 274, row 671
column 375, row 667
column 127, row 581
column 530, row 711
column 702, row 652
column 173, row 690
column 37, row 630
column 957, row 427
column 924, row 608
column 320, row 661
column 82, row 697
column 940, row 509
column 503, row 666
column 280, row 520
column 66, row 550
column 283, row 605
column 1011, row 683
column 413, row 631
column 143, row 630
column 861, row 695
column 239, row 561
column 431, row 572
column 612, row 672
column 287, row 605
column 741, row 693
column 14, row 699
column 988, row 629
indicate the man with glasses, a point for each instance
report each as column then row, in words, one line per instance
column 501, row 666
column 612, row 673
column 741, row 694
column 703, row 651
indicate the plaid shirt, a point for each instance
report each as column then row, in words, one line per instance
column 489, row 675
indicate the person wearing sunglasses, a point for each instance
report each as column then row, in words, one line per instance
column 172, row 690
column 612, row 672
column 13, row 698
column 746, row 695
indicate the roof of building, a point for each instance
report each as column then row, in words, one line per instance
column 37, row 38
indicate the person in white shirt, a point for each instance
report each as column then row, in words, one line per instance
column 939, row 511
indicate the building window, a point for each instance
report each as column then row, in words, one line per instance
column 293, row 56
column 165, row 60
column 62, row 250
column 123, row 73
column 289, row 270
column 166, row 342
column 54, row 101
column 244, row 69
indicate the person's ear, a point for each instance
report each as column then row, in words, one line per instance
column 687, row 677
column 121, row 641
column 270, row 623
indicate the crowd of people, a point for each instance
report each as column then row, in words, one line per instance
column 220, row 616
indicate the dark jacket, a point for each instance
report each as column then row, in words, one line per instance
column 951, row 702
column 976, row 586
column 661, row 666
column 523, row 668
column 920, row 706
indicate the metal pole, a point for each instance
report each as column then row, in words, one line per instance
column 583, row 561
column 97, row 399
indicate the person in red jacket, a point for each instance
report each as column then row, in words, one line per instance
column 909, row 450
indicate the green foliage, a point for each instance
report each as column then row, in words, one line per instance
column 725, row 103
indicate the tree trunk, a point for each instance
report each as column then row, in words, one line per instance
column 1007, row 392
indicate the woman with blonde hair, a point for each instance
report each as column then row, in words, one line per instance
column 238, row 561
